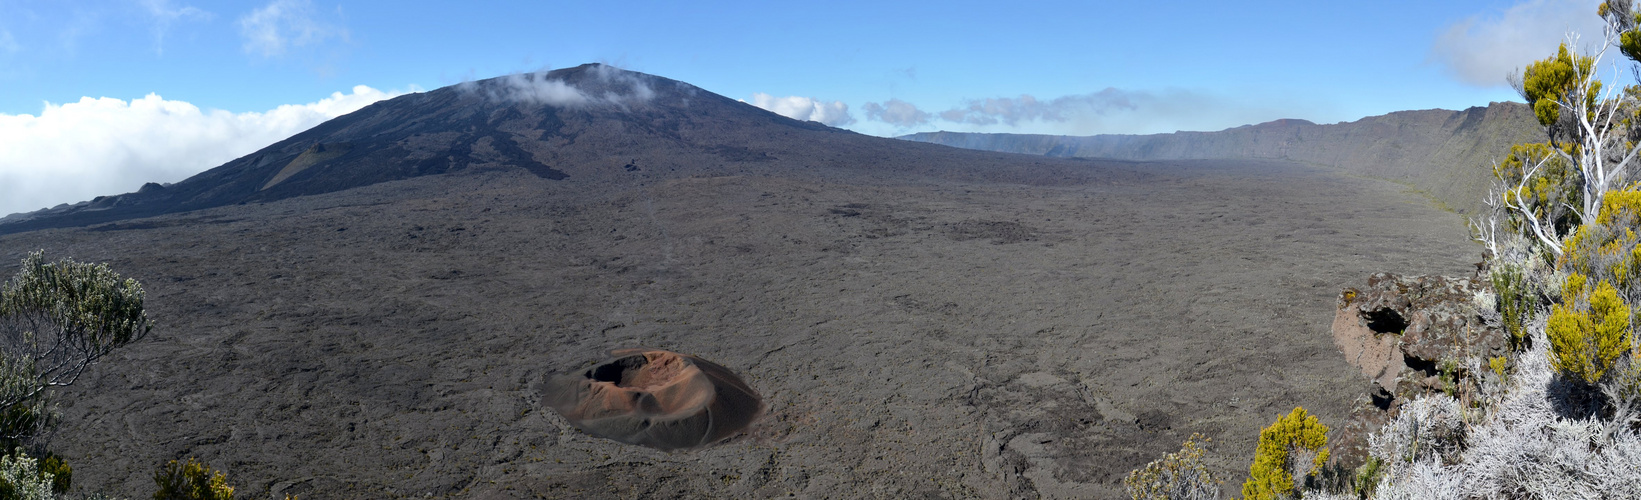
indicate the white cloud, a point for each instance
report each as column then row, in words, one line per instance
column 283, row 24
column 1011, row 111
column 537, row 89
column 620, row 88
column 101, row 146
column 164, row 14
column 896, row 112
column 1483, row 50
column 834, row 113
column 1109, row 111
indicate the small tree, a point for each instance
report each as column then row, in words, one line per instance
column 57, row 319
column 1591, row 148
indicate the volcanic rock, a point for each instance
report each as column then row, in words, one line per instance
column 1413, row 335
column 1401, row 331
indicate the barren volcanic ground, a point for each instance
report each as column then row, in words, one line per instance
column 913, row 336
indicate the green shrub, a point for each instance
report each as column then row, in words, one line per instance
column 1367, row 477
column 1516, row 301
column 1270, row 476
column 1584, row 345
column 192, row 480
column 62, row 476
column 1176, row 476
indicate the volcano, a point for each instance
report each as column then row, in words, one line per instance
column 591, row 125
column 368, row 309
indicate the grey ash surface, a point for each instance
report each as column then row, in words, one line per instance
column 913, row 335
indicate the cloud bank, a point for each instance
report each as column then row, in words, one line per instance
column 1484, row 50
column 101, row 146
column 283, row 24
column 896, row 112
column 1109, row 111
column 835, row 113
column 1012, row 111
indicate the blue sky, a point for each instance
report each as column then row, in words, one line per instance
column 99, row 96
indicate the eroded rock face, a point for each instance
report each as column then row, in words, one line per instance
column 1403, row 330
column 1411, row 335
column 655, row 398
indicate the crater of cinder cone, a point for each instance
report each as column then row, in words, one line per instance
column 654, row 398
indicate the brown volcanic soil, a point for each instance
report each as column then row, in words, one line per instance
column 913, row 336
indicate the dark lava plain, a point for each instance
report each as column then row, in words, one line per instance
column 914, row 335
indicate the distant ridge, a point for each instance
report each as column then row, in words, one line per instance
column 1447, row 154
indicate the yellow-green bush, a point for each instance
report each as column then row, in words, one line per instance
column 192, row 480
column 1269, row 477
column 1550, row 80
column 1585, row 344
column 1607, row 248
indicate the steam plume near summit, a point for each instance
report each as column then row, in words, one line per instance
column 614, row 87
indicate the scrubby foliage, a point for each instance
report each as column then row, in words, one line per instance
column 1273, row 472
column 1562, row 416
column 62, row 476
column 56, row 320
column 22, row 478
column 1428, row 429
column 1563, row 78
column 1180, row 475
column 1522, row 447
column 1560, row 412
column 191, row 480
column 1566, row 266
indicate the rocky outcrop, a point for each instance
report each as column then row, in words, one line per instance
column 1413, row 335
column 1409, row 332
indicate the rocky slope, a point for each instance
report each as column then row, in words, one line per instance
column 594, row 124
column 1447, row 154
